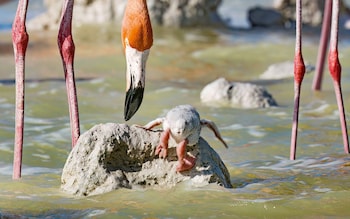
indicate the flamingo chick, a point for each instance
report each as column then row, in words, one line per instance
column 183, row 124
column 137, row 39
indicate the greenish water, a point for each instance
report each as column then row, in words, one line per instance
column 266, row 183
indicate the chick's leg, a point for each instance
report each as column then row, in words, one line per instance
column 162, row 148
column 185, row 162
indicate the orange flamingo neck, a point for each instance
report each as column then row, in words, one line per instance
column 136, row 26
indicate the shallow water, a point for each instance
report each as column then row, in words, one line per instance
column 266, row 183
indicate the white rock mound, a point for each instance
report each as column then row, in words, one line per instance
column 112, row 156
column 245, row 95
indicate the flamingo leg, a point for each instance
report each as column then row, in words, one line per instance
column 299, row 71
column 335, row 71
column 67, row 49
column 293, row 143
column 326, row 23
column 20, row 42
column 339, row 96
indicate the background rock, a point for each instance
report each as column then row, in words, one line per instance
column 312, row 11
column 282, row 14
column 179, row 13
column 185, row 13
column 111, row 156
column 245, row 95
column 265, row 17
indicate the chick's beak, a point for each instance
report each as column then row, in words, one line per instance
column 135, row 80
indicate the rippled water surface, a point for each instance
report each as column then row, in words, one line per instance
column 266, row 183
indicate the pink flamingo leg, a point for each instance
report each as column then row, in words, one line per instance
column 299, row 71
column 20, row 43
column 326, row 23
column 67, row 49
column 335, row 71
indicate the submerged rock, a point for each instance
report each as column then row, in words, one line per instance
column 112, row 156
column 283, row 70
column 245, row 95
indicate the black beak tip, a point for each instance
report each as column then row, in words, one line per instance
column 133, row 100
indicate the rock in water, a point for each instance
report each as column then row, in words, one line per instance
column 112, row 156
column 234, row 94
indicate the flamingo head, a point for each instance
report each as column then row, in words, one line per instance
column 137, row 39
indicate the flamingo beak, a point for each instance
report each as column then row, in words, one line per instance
column 135, row 80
